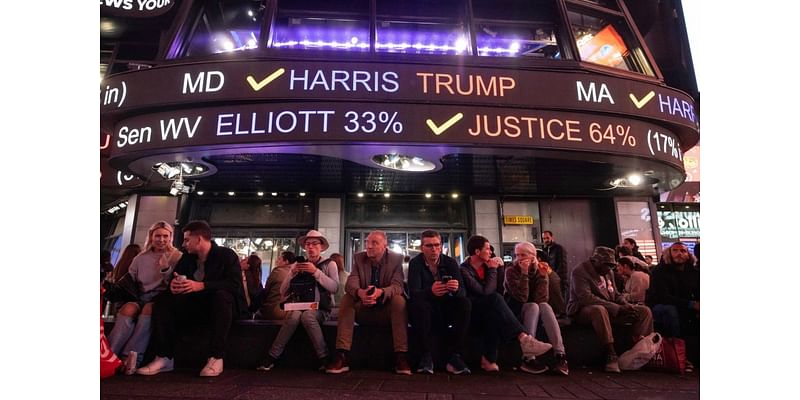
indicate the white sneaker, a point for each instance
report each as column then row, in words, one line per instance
column 213, row 367
column 158, row 365
column 130, row 363
column 532, row 347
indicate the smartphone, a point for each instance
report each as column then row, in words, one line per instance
column 446, row 278
column 180, row 278
column 371, row 291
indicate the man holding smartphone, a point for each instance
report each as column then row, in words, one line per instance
column 438, row 299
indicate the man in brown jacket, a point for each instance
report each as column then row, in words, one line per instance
column 373, row 294
column 593, row 299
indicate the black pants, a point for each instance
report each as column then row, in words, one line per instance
column 173, row 313
column 492, row 317
column 426, row 315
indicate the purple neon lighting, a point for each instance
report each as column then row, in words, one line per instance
column 233, row 40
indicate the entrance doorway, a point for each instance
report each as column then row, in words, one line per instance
column 266, row 246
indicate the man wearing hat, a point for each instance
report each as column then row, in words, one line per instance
column 593, row 299
column 373, row 293
column 312, row 281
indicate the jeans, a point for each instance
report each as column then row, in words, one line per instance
column 426, row 315
column 530, row 313
column 172, row 312
column 312, row 321
column 491, row 316
column 667, row 319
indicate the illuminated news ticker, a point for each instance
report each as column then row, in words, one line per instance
column 195, row 84
column 354, row 123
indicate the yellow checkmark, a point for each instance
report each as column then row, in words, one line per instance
column 643, row 101
column 437, row 130
column 260, row 85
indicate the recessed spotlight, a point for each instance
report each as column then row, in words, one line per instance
column 274, row 194
column 260, row 193
column 231, row 193
column 387, row 195
column 200, row 193
column 302, row 194
column 428, row 195
column 360, row 194
column 635, row 179
column 454, row 195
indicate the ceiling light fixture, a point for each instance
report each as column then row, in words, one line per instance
column 401, row 162
column 185, row 169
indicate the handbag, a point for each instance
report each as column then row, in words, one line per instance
column 641, row 353
column 122, row 290
column 671, row 357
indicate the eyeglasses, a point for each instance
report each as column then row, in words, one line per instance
column 308, row 243
column 432, row 245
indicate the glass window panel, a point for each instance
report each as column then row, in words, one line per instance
column 516, row 10
column 513, row 41
column 421, row 38
column 406, row 213
column 312, row 33
column 635, row 222
column 607, row 40
column 226, row 27
column 610, row 4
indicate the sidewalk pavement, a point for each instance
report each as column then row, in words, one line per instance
column 292, row 383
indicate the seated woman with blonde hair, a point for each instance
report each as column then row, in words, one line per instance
column 150, row 270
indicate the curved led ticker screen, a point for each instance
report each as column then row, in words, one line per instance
column 212, row 105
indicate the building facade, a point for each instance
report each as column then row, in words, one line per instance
column 500, row 118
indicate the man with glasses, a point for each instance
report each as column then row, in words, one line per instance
column 373, row 294
column 206, row 287
column 311, row 281
column 438, row 300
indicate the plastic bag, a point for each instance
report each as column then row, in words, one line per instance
column 641, row 353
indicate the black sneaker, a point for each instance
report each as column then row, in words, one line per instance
column 612, row 364
column 560, row 365
column 267, row 364
column 425, row 364
column 338, row 365
column 401, row 365
column 533, row 366
column 457, row 366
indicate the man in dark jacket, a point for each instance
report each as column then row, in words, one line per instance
column 206, row 286
column 557, row 258
column 674, row 293
column 438, row 299
column 490, row 312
